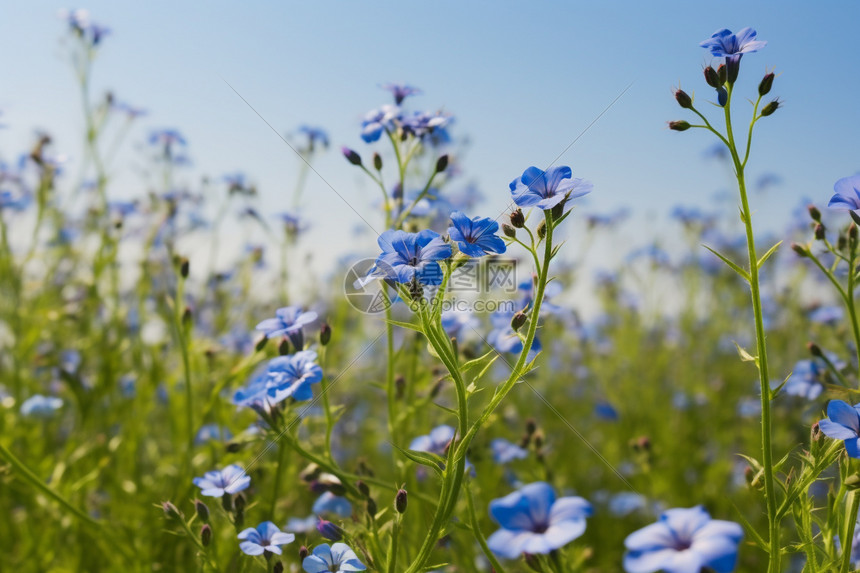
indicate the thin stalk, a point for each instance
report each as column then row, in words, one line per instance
column 853, row 502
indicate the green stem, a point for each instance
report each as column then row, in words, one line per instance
column 761, row 351
column 392, row 549
column 854, row 503
column 476, row 532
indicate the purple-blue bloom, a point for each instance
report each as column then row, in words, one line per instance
column 282, row 377
column 230, row 480
column 400, row 91
column 724, row 44
column 684, row 540
column 332, row 504
column 315, row 135
column 534, row 521
column 546, row 189
column 805, row 380
column 505, row 452
column 407, row 255
column 847, row 197
column 338, row 558
column 436, row 442
column 843, row 423
column 288, row 321
column 266, row 537
column 475, row 237
column 40, row 406
column 377, row 121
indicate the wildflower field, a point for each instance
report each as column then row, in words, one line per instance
column 179, row 392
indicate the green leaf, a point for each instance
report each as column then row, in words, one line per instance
column 745, row 356
column 750, row 529
column 767, row 255
column 732, row 265
column 432, row 461
column 409, row 325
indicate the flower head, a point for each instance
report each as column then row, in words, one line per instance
column 843, row 423
column 39, row 406
column 315, row 135
column 505, row 452
column 378, row 120
column 847, row 197
column 683, row 541
column 475, row 237
column 338, row 558
column 400, row 91
column 230, row 480
column 282, row 377
column 436, row 442
column 534, row 521
column 724, row 44
column 266, row 537
column 546, row 189
column 411, row 255
column 329, row 503
column 288, row 321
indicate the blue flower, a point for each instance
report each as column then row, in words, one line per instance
column 505, row 452
column 504, row 339
column 805, row 380
column 281, row 378
column 230, row 480
column 377, row 121
column 266, row 537
column 847, row 197
column 167, row 138
column 683, row 541
column 459, row 323
column 400, row 91
column 315, row 135
column 40, row 406
column 843, row 423
column 724, row 44
column 546, row 189
column 827, row 314
column 300, row 525
column 331, row 503
column 475, row 237
column 436, row 442
column 288, row 321
column 332, row 559
column 534, row 521
column 407, row 255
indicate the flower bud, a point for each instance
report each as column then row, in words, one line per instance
column 518, row 321
column 377, row 161
column 814, row 350
column 852, row 232
column 815, row 434
column 442, row 163
column 679, row 125
column 518, row 220
column 278, row 568
column 819, row 232
column 351, row 155
column 400, row 501
column 766, row 84
column 770, row 108
column 509, row 231
column 205, row 535
column 799, row 249
column 284, row 347
column 239, row 503
column 814, row 213
column 186, row 316
column 184, row 267
column 325, row 333
column 722, row 74
column 541, row 230
column 362, row 488
column 261, row 344
column 683, row 98
column 558, row 210
column 531, row 426
column 171, row 511
column 233, row 447
column 371, row 507
column 202, row 510
column 399, row 386
column 329, row 530
column 303, row 552
column 712, row 77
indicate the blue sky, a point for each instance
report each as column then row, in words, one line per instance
column 522, row 78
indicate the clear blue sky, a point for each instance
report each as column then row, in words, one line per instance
column 522, row 78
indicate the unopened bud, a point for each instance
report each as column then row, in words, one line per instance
column 278, row 568
column 442, row 163
column 329, row 530
column 351, row 155
column 399, row 386
column 261, row 344
column 679, row 125
column 815, row 434
column 541, row 230
column 233, row 447
column 722, row 96
column 325, row 333
column 712, row 77
column 814, row 213
column 362, row 488
column 239, row 503
column 303, row 552
column 539, row 439
column 509, row 231
column 518, row 220
column 684, row 100
column 205, row 535
column 531, row 426
column 852, row 232
column 770, row 108
column 799, row 249
column 814, row 350
column 284, row 347
column 171, row 511
column 371, row 507
column 186, row 316
column 819, row 232
column 518, row 321
column 202, row 510
column 377, row 161
column 558, row 210
column 766, row 84
column 400, row 501
column 184, row 267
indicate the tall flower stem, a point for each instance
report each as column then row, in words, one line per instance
column 761, row 346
